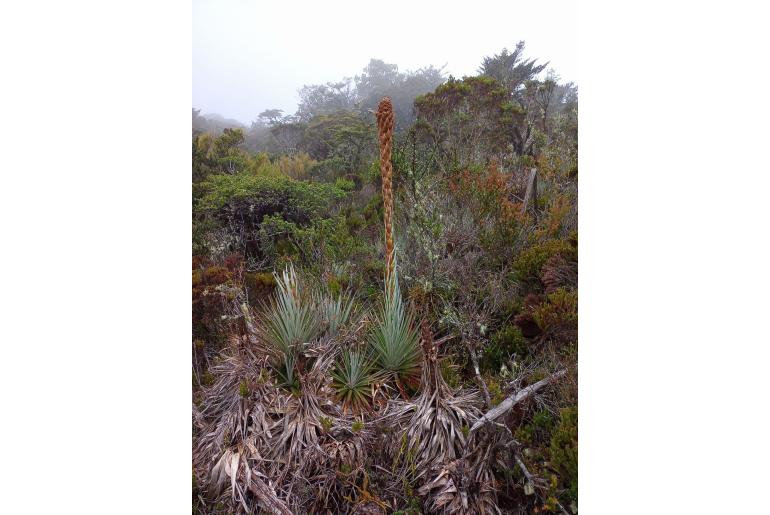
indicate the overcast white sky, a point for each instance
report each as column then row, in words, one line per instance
column 249, row 56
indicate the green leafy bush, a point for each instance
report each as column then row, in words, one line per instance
column 538, row 430
column 495, row 387
column 323, row 241
column 355, row 221
column 504, row 343
column 297, row 200
column 231, row 210
column 259, row 285
column 558, row 316
column 373, row 210
column 345, row 184
column 564, row 450
column 530, row 261
column 328, row 169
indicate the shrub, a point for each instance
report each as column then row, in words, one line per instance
column 197, row 278
column 495, row 387
column 324, row 241
column 297, row 166
column 259, row 286
column 216, row 275
column 556, row 217
column 213, row 288
column 345, row 184
column 487, row 190
column 558, row 272
column 355, row 221
column 564, row 450
column 232, row 209
column 504, row 343
column 373, row 211
column 296, row 200
column 328, row 169
column 529, row 263
column 525, row 321
column 558, row 317
column 539, row 428
column 202, row 227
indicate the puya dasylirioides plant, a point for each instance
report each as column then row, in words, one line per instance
column 352, row 378
column 289, row 323
column 393, row 341
column 335, row 311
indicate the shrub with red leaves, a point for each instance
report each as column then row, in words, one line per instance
column 557, row 272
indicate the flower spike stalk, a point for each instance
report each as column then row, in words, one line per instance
column 385, row 130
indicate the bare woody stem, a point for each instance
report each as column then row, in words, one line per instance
column 516, row 398
column 385, row 130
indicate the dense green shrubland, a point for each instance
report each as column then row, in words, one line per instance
column 290, row 312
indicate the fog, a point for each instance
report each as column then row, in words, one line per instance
column 249, row 56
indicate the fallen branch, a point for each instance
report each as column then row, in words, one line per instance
column 524, row 469
column 516, row 398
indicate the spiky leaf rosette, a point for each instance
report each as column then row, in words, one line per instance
column 394, row 341
column 434, row 444
column 438, row 415
column 289, row 323
column 335, row 311
column 352, row 380
column 285, row 369
column 259, row 447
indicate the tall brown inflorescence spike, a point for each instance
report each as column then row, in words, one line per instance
column 385, row 129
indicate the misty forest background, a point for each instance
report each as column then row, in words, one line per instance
column 318, row 390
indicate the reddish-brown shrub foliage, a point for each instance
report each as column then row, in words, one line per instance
column 557, row 272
